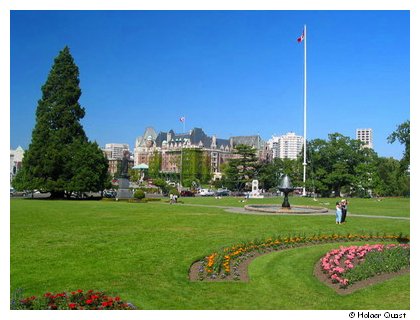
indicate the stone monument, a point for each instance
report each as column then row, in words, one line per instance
column 255, row 193
column 123, row 183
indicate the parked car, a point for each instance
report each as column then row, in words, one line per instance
column 206, row 192
column 110, row 193
column 222, row 192
column 237, row 193
column 187, row 193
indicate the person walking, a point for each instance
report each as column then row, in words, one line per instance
column 338, row 212
column 344, row 205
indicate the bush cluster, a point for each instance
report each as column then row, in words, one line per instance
column 139, row 194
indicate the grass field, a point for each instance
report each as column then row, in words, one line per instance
column 142, row 252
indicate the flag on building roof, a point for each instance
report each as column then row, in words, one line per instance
column 302, row 37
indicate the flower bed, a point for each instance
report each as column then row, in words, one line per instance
column 227, row 263
column 76, row 300
column 348, row 265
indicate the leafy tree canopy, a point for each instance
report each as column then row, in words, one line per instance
column 402, row 134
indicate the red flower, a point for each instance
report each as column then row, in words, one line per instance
column 47, row 294
column 94, row 297
column 104, row 304
column 80, row 291
column 89, row 301
column 117, row 298
column 72, row 305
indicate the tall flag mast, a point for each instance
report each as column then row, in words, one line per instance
column 182, row 119
column 302, row 38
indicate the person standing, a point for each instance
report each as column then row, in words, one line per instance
column 338, row 212
column 344, row 204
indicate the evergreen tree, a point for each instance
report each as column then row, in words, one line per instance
column 241, row 170
column 60, row 159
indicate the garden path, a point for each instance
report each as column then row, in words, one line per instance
column 241, row 210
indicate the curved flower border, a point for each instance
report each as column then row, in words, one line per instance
column 224, row 264
column 338, row 261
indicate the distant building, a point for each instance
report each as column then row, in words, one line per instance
column 287, row 146
column 114, row 153
column 16, row 157
column 365, row 135
column 169, row 144
column 255, row 141
column 115, row 150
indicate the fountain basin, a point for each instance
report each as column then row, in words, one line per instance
column 273, row 208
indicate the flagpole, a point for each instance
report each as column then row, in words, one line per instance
column 182, row 147
column 305, row 37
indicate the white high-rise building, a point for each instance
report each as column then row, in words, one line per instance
column 365, row 135
column 286, row 146
column 16, row 157
column 116, row 150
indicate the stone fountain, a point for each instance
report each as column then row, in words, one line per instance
column 286, row 187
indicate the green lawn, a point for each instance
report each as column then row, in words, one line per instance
column 142, row 252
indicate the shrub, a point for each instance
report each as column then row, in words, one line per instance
column 173, row 191
column 150, row 190
column 139, row 194
column 76, row 300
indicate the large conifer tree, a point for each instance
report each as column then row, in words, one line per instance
column 241, row 170
column 60, row 159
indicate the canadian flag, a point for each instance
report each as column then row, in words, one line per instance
column 302, row 37
column 182, row 119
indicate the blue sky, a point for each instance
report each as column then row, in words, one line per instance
column 228, row 72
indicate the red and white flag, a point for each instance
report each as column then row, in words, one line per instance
column 302, row 37
column 182, row 119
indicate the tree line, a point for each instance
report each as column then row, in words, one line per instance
column 336, row 165
column 61, row 159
